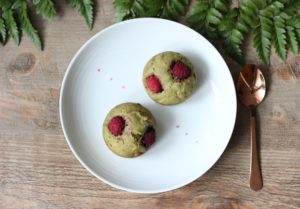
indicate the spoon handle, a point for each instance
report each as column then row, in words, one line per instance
column 255, row 179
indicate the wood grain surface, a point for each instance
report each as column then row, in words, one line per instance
column 38, row 170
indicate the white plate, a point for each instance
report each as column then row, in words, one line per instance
column 107, row 70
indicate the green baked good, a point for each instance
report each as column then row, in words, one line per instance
column 129, row 130
column 169, row 78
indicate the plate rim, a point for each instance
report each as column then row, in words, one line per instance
column 66, row 75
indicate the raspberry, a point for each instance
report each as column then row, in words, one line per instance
column 116, row 125
column 180, row 71
column 153, row 84
column 149, row 137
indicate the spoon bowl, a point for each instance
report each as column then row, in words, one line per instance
column 251, row 86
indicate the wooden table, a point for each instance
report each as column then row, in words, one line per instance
column 38, row 170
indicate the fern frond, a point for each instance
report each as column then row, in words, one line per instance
column 213, row 16
column 14, row 14
column 122, row 8
column 137, row 8
column 220, row 5
column 294, row 21
column 260, row 4
column 233, row 43
column 279, row 37
column 233, row 30
column 27, row 27
column 249, row 11
column 12, row 27
column 6, row 4
column 262, row 38
column 45, row 7
column 17, row 4
column 205, row 17
column 2, row 31
column 291, row 6
column 174, row 8
column 298, row 36
column 292, row 39
column 197, row 15
column 169, row 9
column 85, row 8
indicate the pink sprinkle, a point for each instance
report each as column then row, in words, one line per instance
column 177, row 126
column 110, row 78
column 98, row 69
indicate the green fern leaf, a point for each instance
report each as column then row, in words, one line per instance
column 17, row 4
column 45, row 7
column 241, row 26
column 298, row 36
column 154, row 8
column 233, row 30
column 205, row 17
column 169, row 9
column 6, row 4
column 279, row 37
column 137, row 8
column 181, row 6
column 28, row 28
column 213, row 16
column 2, row 31
column 210, row 33
column 294, row 21
column 249, row 7
column 174, row 8
column 11, row 24
column 85, row 8
column 292, row 39
column 293, row 33
column 220, row 5
column 249, row 11
column 197, row 15
column 148, row 8
column 122, row 8
column 260, row 4
column 233, row 44
column 122, row 4
column 262, row 38
column 272, row 9
column 291, row 6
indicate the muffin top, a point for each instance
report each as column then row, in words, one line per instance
column 169, row 78
column 129, row 129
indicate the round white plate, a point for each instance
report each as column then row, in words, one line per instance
column 107, row 70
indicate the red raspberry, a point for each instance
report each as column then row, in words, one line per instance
column 180, row 71
column 116, row 125
column 153, row 84
column 149, row 137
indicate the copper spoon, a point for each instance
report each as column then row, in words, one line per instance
column 251, row 89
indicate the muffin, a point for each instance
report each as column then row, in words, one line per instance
column 129, row 130
column 169, row 78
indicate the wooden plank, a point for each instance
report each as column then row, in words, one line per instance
column 38, row 170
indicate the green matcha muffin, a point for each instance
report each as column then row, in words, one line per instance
column 129, row 130
column 169, row 78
